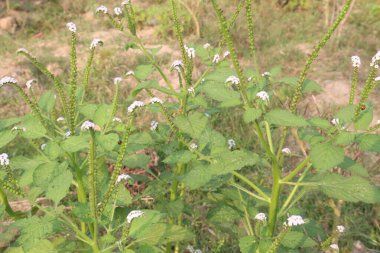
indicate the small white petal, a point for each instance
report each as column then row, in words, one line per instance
column 231, row 144
column 117, row 80
column 356, row 61
column 286, row 151
column 263, row 96
column 227, row 53
column 295, row 220
column 43, row 146
column 130, row 73
column 29, row 83
column 4, row 160
column 102, row 8
column 153, row 125
column 193, row 146
column 335, row 121
column 118, row 11
column 116, row 119
column 134, row 105
column 60, row 119
column 22, row 50
column 7, row 79
column 216, row 59
column 190, row 52
column 233, row 79
column 334, row 246
column 207, row 45
column 72, row 27
column 95, row 43
column 87, row 125
column 123, row 177
column 266, row 74
column 260, row 217
column 340, row 228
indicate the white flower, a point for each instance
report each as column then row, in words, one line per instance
column 15, row 128
column 134, row 214
column 340, row 228
column 216, row 59
column 102, row 8
column 72, row 27
column 286, row 151
column 378, row 122
column 4, row 160
column 231, row 144
column 334, row 246
column 193, row 146
column 60, row 119
column 250, row 78
column 87, row 125
column 227, row 53
column 177, row 65
column 233, row 79
column 125, row 2
column 153, row 125
column 377, row 79
column 117, row 11
column 123, row 177
column 117, row 80
column 198, row 251
column 67, row 135
column 190, row 52
column 335, row 121
column 95, row 43
column 116, row 119
column 130, row 73
column 191, row 90
column 375, row 60
column 266, row 74
column 295, row 220
column 207, row 45
column 260, row 217
column 155, row 100
column 135, row 104
column 43, row 146
column 29, row 83
column 355, row 61
column 7, row 79
column 22, row 50
column 263, row 96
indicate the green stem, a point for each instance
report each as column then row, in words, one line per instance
column 8, row 208
column 296, row 170
column 354, row 85
column 92, row 176
column 274, row 202
column 246, row 215
column 269, row 136
column 252, row 185
column 237, row 186
column 114, row 106
column 73, row 82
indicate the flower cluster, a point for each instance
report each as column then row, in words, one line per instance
column 117, row 80
column 233, row 79
column 260, row 217
column 123, row 177
column 355, row 61
column 375, row 60
column 125, row 2
column 295, row 220
column 7, row 79
column 29, row 83
column 340, row 228
column 135, row 104
column 72, row 27
column 22, row 50
column 95, row 43
column 153, row 125
column 191, row 90
column 263, row 96
column 155, row 100
column 207, row 45
column 216, row 59
column 190, row 52
column 134, row 214
column 67, row 135
column 177, row 65
column 130, row 73
column 102, row 8
column 118, row 11
column 334, row 246
column 226, row 54
column 60, row 119
column 87, row 125
column 335, row 121
column 16, row 128
column 116, row 119
column 193, row 146
column 286, row 151
column 43, row 146
column 4, row 160
column 266, row 74
column 231, row 144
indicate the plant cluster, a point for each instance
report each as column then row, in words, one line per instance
column 205, row 180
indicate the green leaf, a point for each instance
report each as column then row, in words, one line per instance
column 76, row 143
column 308, row 86
column 369, row 142
column 229, row 161
column 102, row 115
column 197, row 177
column 54, row 178
column 295, row 239
column 52, row 150
column 4, row 123
column 6, row 137
column 193, row 125
column 324, row 156
column 136, row 161
column 354, row 167
column 123, row 197
column 43, row 246
column 251, row 114
column 182, row 156
column 139, row 141
column 345, row 138
column 364, row 120
column 131, row 45
column 346, row 114
column 321, row 123
column 47, row 101
column 285, row 118
column 107, row 141
column 150, row 85
column 34, row 129
column 14, row 250
column 248, row 244
column 143, row 71
column 88, row 110
column 221, row 93
column 351, row 189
